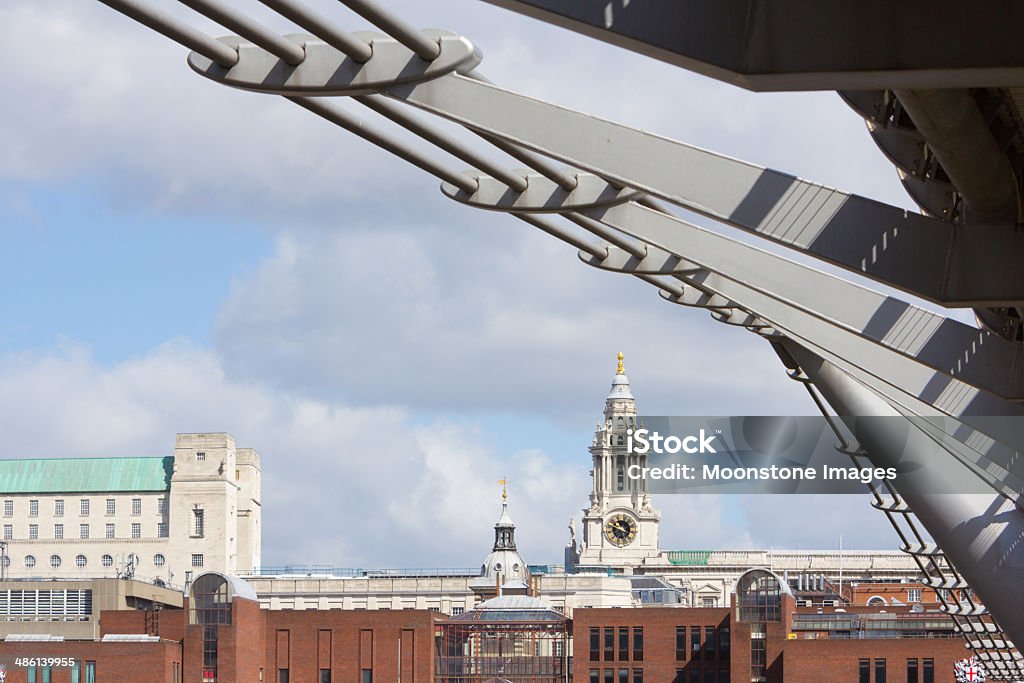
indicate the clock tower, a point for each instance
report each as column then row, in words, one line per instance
column 620, row 528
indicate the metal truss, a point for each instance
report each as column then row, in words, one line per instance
column 862, row 352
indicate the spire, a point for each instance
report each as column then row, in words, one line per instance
column 505, row 528
column 620, row 384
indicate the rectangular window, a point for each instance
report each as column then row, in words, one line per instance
column 709, row 676
column 30, row 676
column 928, row 671
column 136, row 530
column 865, row 671
column 879, row 671
column 161, row 506
column 595, row 676
column 325, row 676
column 84, row 507
column 456, row 611
column 638, row 644
column 33, row 508
column 623, row 643
column 609, row 644
column 58, row 531
column 723, row 642
column 695, row 642
column 90, row 672
column 8, row 508
column 161, row 530
column 200, row 455
column 83, row 531
column 198, row 522
column 638, row 676
column 623, row 675
column 111, row 506
column 58, row 508
column 366, row 676
column 680, row 676
column 197, row 559
column 595, row 644
column 33, row 531
column 76, row 673
column 680, row 643
column 911, row 671
column 8, row 532
column 694, row 675
column 47, row 673
column 914, row 595
column 282, row 676
column 136, row 506
column 609, row 676
column 110, row 530
column 709, row 643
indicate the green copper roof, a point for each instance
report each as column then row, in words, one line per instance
column 85, row 475
column 690, row 558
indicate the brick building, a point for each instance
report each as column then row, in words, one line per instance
column 223, row 635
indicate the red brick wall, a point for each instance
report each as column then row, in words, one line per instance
column 115, row 662
column 812, row 661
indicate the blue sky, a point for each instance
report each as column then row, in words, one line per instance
column 180, row 257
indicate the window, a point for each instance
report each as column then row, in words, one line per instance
column 723, row 642
column 879, row 671
column 638, row 676
column 161, row 530
column 695, row 642
column 159, row 560
column 58, row 507
column 111, row 506
column 197, row 559
column 90, row 672
column 325, row 676
column 33, row 531
column 80, row 561
column 30, row 676
column 107, row 561
column 709, row 602
column 110, row 530
column 366, row 676
column 8, row 508
column 84, row 507
column 638, row 644
column 680, row 643
column 913, row 595
column 456, row 611
column 865, row 671
column 30, row 561
column 54, row 561
column 161, row 506
column 609, row 644
column 709, row 643
column 200, row 456
column 33, row 508
column 609, row 676
column 928, row 671
column 595, row 676
column 595, row 644
column 624, row 643
column 136, row 506
column 83, row 531
column 8, row 532
column 709, row 676
column 58, row 531
column 136, row 530
column 911, row 671
column 198, row 522
column 623, row 675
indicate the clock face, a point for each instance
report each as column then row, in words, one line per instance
column 620, row 530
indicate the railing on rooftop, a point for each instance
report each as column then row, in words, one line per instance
column 331, row 571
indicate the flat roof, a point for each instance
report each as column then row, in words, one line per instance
column 85, row 475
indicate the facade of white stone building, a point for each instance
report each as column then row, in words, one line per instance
column 161, row 519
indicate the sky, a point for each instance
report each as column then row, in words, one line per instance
column 183, row 257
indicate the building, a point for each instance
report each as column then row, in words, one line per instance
column 163, row 519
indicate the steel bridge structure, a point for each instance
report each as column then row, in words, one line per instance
column 949, row 119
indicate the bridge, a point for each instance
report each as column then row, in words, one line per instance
column 942, row 99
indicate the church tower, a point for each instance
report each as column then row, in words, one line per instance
column 620, row 528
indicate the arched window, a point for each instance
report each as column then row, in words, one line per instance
column 81, row 561
column 54, row 561
column 30, row 561
column 159, row 560
column 107, row 560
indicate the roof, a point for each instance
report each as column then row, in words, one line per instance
column 85, row 475
column 512, row 608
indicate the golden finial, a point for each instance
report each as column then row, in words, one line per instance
column 504, row 489
column 621, row 370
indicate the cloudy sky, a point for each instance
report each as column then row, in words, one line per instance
column 181, row 257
